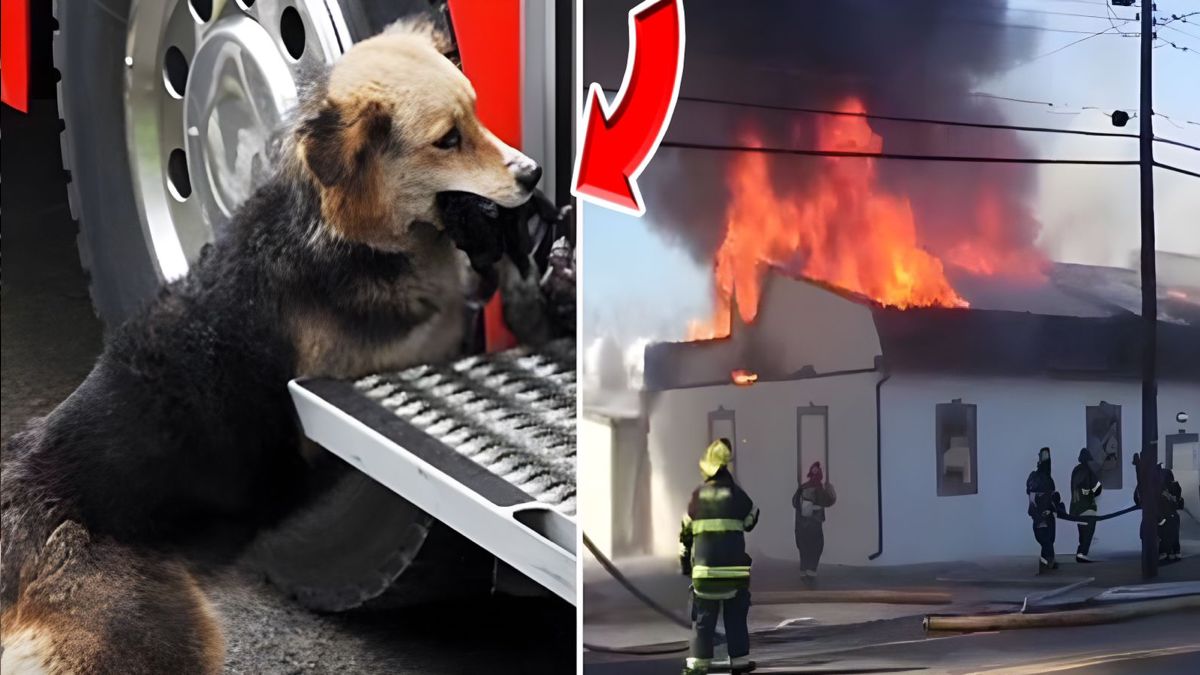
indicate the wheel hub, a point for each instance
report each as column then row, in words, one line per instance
column 239, row 89
column 209, row 85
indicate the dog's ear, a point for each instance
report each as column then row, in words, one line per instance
column 341, row 146
column 429, row 28
column 342, row 141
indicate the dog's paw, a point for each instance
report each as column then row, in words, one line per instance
column 525, row 308
column 558, row 288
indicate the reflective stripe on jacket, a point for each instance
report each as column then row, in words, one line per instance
column 1085, row 487
column 712, row 542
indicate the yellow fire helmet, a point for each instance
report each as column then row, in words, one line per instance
column 716, row 456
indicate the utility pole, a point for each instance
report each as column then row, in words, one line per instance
column 1148, row 467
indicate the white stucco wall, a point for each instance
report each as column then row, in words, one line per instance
column 789, row 315
column 1015, row 417
column 595, row 470
column 799, row 325
column 766, row 459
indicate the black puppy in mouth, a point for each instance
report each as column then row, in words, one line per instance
column 526, row 252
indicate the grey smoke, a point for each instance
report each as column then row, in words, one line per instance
column 900, row 57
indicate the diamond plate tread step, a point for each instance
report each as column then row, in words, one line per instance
column 485, row 444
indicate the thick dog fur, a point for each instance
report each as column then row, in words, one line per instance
column 184, row 431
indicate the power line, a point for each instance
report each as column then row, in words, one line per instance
column 1069, row 44
column 977, row 21
column 1112, row 18
column 1173, row 123
column 1053, row 12
column 1182, row 49
column 1049, row 104
column 1181, row 144
column 925, row 120
column 1181, row 17
column 1182, row 32
column 892, row 155
column 1044, row 29
column 1176, row 169
column 899, row 118
column 1057, row 13
column 1087, row 2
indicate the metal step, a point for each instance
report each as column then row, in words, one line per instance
column 485, row 444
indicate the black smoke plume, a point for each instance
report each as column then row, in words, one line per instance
column 919, row 58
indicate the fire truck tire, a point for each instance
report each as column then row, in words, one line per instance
column 89, row 46
column 89, row 56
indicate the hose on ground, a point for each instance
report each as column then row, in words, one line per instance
column 645, row 599
column 871, row 595
column 633, row 590
column 637, row 651
column 1075, row 617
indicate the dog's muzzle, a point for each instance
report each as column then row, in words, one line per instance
column 528, row 176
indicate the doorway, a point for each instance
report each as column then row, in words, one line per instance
column 812, row 440
column 1183, row 459
column 722, row 423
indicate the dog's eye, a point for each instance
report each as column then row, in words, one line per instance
column 451, row 140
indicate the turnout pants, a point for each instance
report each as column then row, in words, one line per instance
column 1168, row 535
column 704, row 625
column 1043, row 531
column 810, row 540
column 1086, row 532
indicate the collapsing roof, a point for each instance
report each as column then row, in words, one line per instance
column 1079, row 321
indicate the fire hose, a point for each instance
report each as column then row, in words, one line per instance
column 640, row 595
column 764, row 598
column 1076, row 617
column 1063, row 515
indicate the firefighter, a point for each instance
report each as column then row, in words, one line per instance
column 1044, row 503
column 810, row 501
column 1169, row 505
column 712, row 551
column 1085, row 488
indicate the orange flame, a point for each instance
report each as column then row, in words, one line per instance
column 743, row 378
column 988, row 252
column 843, row 230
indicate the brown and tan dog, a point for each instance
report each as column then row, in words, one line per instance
column 339, row 265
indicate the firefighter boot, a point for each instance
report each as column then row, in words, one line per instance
column 741, row 666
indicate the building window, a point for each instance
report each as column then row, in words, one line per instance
column 1104, row 442
column 721, row 424
column 957, row 457
column 812, row 439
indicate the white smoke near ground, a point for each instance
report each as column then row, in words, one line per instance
column 611, row 366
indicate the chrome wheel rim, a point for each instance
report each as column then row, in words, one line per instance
column 208, row 85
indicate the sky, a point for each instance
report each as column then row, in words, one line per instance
column 638, row 283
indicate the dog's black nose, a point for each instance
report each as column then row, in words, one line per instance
column 529, row 177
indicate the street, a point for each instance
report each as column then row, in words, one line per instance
column 850, row 637
column 1163, row 644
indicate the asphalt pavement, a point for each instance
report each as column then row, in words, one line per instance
column 847, row 637
column 1168, row 644
column 49, row 338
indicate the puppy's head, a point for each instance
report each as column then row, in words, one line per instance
column 395, row 127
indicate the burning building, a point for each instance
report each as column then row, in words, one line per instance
column 893, row 319
column 927, row 419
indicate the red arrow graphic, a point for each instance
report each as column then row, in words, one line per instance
column 620, row 138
